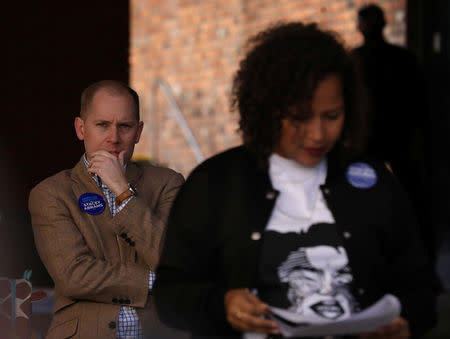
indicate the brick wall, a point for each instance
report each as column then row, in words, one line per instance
column 195, row 46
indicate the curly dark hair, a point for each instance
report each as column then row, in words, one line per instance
column 281, row 70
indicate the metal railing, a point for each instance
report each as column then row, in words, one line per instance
column 177, row 115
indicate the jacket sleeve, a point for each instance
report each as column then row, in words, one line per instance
column 189, row 293
column 80, row 272
column 145, row 228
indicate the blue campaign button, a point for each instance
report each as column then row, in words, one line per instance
column 361, row 175
column 92, row 203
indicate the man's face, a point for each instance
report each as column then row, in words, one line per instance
column 110, row 125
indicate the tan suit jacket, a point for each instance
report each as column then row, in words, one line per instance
column 99, row 263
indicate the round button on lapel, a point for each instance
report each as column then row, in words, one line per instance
column 347, row 235
column 255, row 236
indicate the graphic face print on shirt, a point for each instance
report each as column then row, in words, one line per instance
column 304, row 267
column 318, row 279
column 307, row 273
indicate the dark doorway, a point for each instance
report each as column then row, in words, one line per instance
column 52, row 50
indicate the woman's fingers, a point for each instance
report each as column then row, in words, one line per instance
column 245, row 312
column 250, row 323
column 398, row 328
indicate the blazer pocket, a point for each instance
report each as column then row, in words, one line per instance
column 65, row 330
column 62, row 303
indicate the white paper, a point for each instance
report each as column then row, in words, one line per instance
column 381, row 313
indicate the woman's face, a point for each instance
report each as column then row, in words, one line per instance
column 308, row 140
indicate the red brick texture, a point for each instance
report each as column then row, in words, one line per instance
column 195, row 46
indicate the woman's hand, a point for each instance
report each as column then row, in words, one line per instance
column 397, row 329
column 245, row 312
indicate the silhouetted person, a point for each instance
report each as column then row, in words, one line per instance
column 399, row 116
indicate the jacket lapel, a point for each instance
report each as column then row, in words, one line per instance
column 133, row 173
column 82, row 182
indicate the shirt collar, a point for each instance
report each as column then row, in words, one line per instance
column 95, row 177
column 289, row 170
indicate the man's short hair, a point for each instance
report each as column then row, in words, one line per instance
column 114, row 87
column 373, row 17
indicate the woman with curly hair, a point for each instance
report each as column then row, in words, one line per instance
column 297, row 220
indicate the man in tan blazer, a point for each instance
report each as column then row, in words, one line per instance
column 98, row 227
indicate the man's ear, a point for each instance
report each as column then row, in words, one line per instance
column 79, row 127
column 139, row 131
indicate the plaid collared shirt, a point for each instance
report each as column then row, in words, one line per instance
column 128, row 326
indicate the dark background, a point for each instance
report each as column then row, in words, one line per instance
column 53, row 49
column 428, row 37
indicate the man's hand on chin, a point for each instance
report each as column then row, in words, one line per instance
column 110, row 169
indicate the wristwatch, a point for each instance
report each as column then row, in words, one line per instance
column 131, row 191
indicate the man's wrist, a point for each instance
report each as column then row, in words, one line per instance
column 118, row 185
column 130, row 191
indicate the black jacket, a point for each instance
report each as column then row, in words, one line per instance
column 210, row 249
